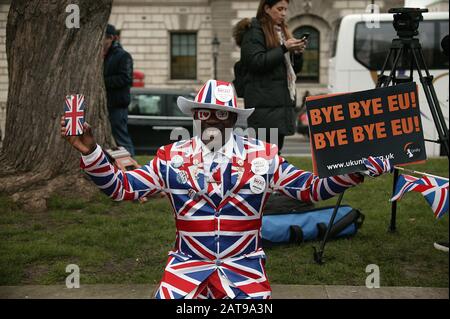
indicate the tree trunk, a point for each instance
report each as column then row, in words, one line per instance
column 46, row 62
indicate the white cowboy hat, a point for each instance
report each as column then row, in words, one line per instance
column 216, row 95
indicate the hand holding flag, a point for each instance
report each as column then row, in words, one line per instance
column 376, row 166
column 84, row 143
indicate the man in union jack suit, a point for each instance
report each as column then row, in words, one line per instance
column 218, row 184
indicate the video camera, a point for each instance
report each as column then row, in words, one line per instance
column 406, row 21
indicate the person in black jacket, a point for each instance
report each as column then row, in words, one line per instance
column 240, row 71
column 118, row 74
column 273, row 58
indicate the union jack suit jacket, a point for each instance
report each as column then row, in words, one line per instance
column 221, row 237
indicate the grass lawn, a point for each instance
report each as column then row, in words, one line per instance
column 128, row 242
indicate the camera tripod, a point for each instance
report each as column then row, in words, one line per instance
column 407, row 49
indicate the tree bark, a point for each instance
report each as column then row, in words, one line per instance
column 46, row 62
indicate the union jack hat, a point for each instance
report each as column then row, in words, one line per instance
column 215, row 95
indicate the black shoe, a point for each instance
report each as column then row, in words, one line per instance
column 443, row 246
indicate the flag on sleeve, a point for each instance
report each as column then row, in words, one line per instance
column 74, row 114
column 435, row 191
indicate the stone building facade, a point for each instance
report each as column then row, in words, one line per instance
column 157, row 32
column 146, row 27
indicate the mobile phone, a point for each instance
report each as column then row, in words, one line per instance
column 74, row 107
column 305, row 36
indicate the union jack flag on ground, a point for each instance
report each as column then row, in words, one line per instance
column 435, row 191
column 74, row 114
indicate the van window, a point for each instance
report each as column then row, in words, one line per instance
column 371, row 45
column 145, row 104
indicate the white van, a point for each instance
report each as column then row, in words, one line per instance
column 360, row 51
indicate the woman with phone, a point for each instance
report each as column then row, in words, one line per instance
column 273, row 58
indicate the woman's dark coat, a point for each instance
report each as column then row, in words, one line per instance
column 266, row 86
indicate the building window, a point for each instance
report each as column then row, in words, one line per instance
column 311, row 56
column 183, row 56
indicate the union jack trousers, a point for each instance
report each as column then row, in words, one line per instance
column 217, row 251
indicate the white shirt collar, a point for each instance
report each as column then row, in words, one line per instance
column 226, row 149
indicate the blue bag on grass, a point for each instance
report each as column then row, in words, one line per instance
column 310, row 225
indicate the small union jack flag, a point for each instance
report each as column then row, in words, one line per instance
column 435, row 191
column 74, row 114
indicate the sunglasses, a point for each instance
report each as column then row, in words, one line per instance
column 203, row 115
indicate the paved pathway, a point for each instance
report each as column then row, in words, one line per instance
column 279, row 292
